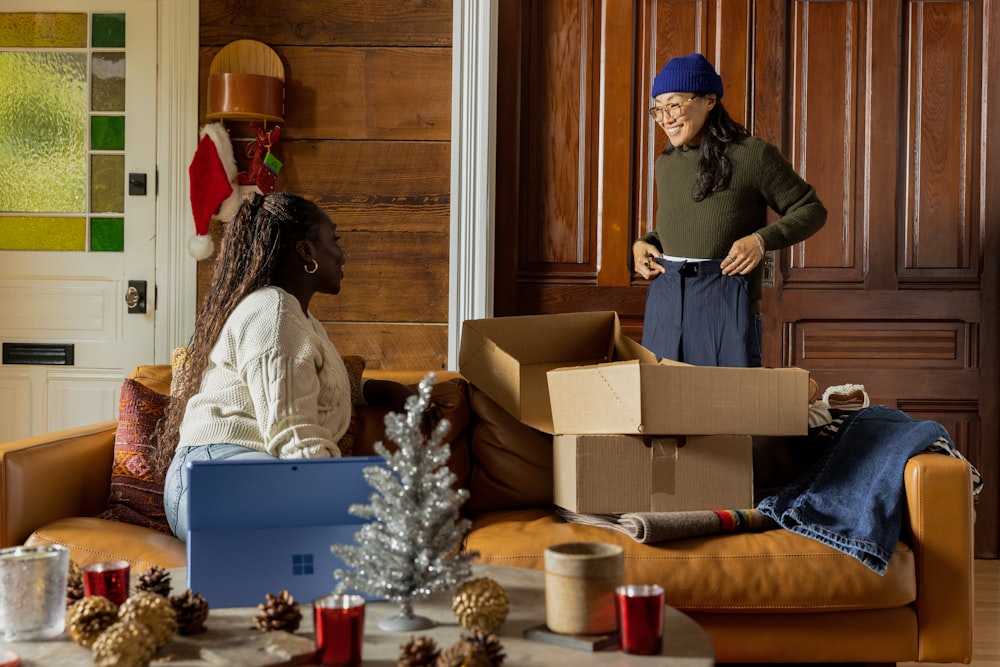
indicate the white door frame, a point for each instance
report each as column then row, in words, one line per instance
column 472, row 171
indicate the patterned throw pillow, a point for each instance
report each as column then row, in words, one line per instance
column 136, row 495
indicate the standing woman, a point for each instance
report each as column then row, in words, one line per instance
column 262, row 379
column 714, row 184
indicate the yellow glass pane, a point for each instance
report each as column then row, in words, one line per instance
column 42, row 233
column 43, row 129
column 107, row 184
column 43, row 30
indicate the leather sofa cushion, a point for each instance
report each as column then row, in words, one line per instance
column 92, row 540
column 154, row 376
column 512, row 461
column 775, row 571
column 451, row 402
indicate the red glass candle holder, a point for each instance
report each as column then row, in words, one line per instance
column 340, row 625
column 640, row 618
column 109, row 579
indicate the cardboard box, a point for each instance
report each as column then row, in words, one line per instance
column 508, row 357
column 675, row 398
column 612, row 474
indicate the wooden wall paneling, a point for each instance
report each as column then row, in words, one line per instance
column 392, row 187
column 307, row 22
column 405, row 347
column 555, row 238
column 620, row 108
column 367, row 135
column 941, row 227
column 510, row 117
column 825, row 100
column 359, row 93
column 988, row 456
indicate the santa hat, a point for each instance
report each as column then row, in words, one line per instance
column 214, row 192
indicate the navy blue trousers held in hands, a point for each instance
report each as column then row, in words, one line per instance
column 697, row 315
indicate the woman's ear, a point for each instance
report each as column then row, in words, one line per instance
column 305, row 250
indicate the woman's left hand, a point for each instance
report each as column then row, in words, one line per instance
column 745, row 254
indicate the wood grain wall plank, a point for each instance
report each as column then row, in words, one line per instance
column 361, row 92
column 392, row 346
column 384, row 187
column 307, row 22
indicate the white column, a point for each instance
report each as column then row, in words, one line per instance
column 473, row 140
column 177, row 138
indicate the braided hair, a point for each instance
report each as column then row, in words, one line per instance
column 714, row 169
column 260, row 237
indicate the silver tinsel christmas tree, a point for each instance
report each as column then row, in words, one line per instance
column 410, row 549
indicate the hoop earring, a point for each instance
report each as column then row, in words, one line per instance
column 315, row 266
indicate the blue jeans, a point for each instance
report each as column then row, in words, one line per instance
column 852, row 499
column 175, row 486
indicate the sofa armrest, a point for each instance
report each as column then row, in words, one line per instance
column 52, row 476
column 940, row 515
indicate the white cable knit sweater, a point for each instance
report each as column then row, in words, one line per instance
column 274, row 383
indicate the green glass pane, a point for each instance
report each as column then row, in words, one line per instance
column 43, row 30
column 107, row 133
column 107, row 82
column 107, row 183
column 42, row 233
column 107, row 234
column 43, row 131
column 109, row 31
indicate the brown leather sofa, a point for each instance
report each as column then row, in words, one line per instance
column 768, row 597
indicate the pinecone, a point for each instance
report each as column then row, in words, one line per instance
column 481, row 604
column 124, row 644
column 155, row 580
column 464, row 653
column 153, row 611
column 89, row 617
column 280, row 612
column 491, row 644
column 418, row 652
column 74, row 584
column 192, row 610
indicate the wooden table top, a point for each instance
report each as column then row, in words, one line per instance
column 233, row 639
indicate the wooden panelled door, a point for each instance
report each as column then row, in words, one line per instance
column 885, row 107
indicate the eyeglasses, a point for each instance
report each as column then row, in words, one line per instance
column 675, row 110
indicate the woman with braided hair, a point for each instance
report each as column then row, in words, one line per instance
column 262, row 379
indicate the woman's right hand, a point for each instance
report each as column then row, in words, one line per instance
column 643, row 254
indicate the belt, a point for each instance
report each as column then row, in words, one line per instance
column 689, row 269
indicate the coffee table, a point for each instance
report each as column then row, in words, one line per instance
column 232, row 639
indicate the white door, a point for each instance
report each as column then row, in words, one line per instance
column 77, row 207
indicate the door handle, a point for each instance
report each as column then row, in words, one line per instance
column 135, row 296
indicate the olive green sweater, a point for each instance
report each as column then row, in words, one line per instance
column 762, row 178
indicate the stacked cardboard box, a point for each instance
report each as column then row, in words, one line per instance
column 631, row 434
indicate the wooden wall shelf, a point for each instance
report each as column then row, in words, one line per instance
column 246, row 82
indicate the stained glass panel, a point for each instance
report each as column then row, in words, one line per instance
column 108, row 82
column 42, row 233
column 107, row 234
column 109, row 31
column 107, row 183
column 107, row 133
column 43, row 112
column 43, row 30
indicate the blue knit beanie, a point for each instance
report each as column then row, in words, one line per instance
column 688, row 74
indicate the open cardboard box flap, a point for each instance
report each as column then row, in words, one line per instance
column 508, row 358
column 675, row 398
